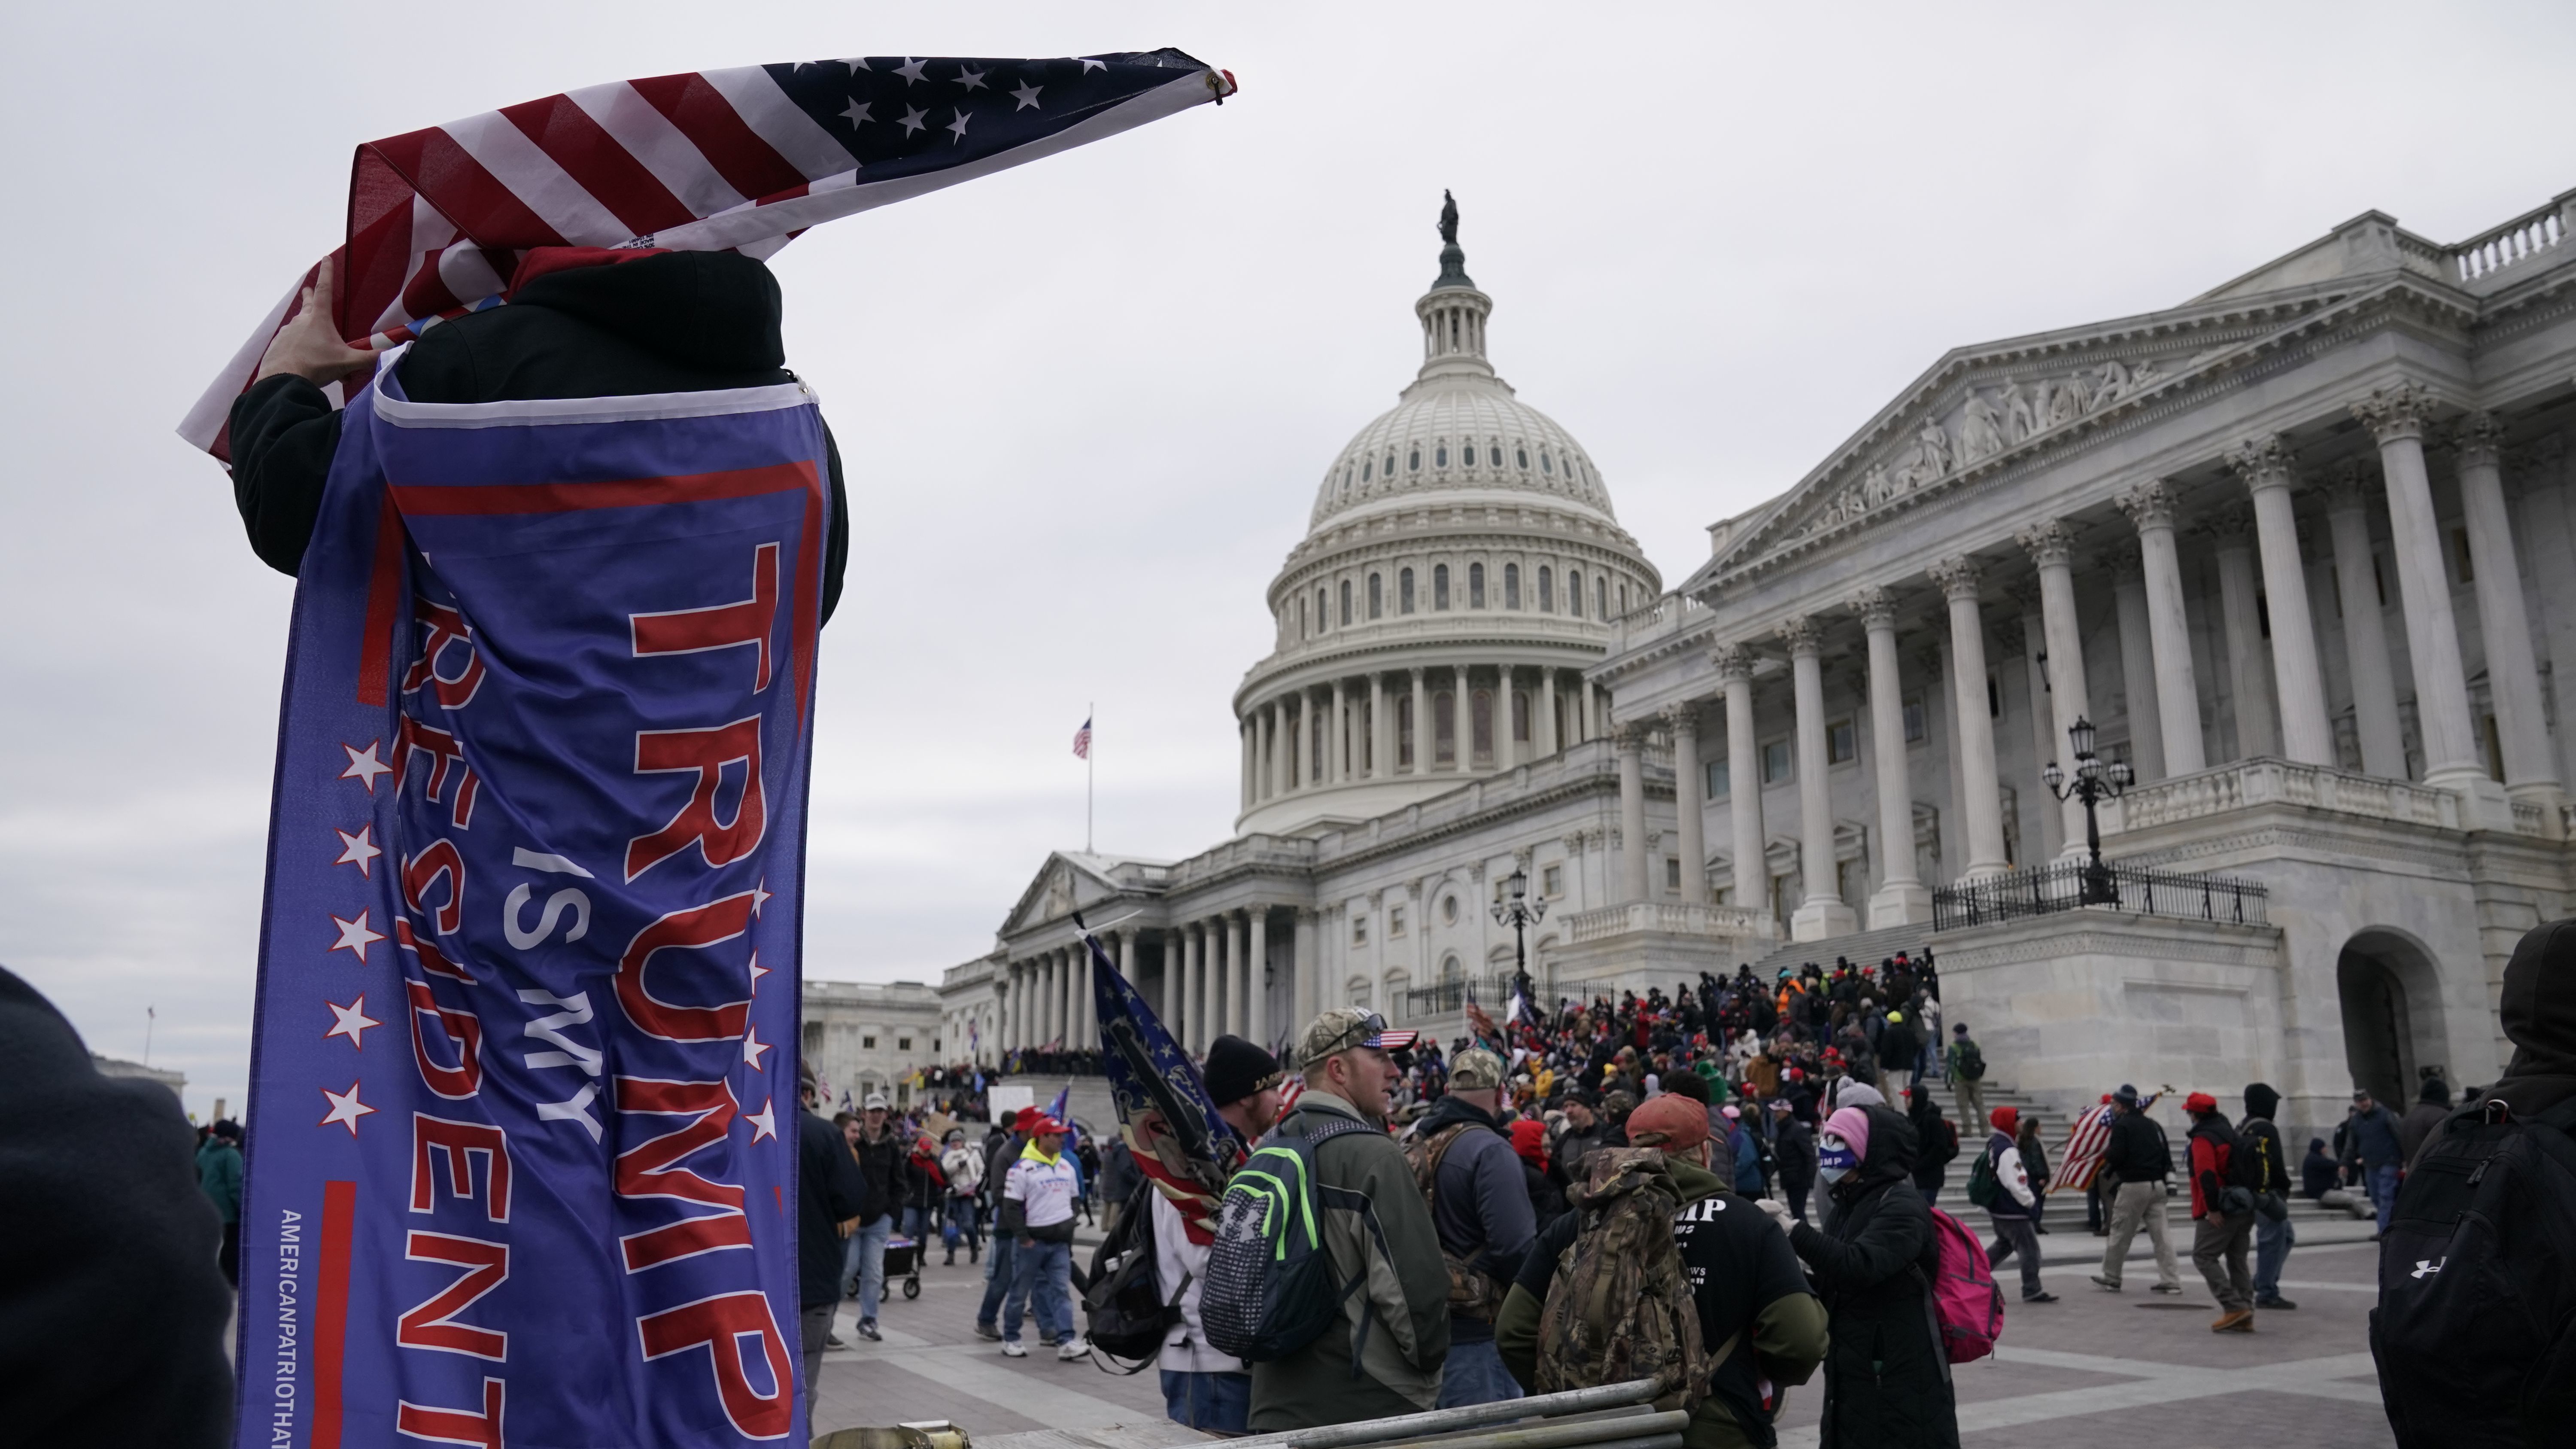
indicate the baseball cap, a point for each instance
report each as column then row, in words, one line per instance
column 2200, row 1102
column 1042, row 1123
column 876, row 1102
column 1474, row 1070
column 1676, row 1123
column 1345, row 1027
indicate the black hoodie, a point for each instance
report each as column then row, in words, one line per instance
column 1887, row 1381
column 2538, row 1007
column 680, row 322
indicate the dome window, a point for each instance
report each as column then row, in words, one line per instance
column 1440, row 456
column 1546, row 589
column 1475, row 586
column 1365, row 470
column 1440, row 586
column 1323, row 609
column 1346, row 603
column 1511, row 586
column 1494, row 455
column 1574, row 591
column 1377, row 596
column 1414, row 458
column 1390, row 465
column 1404, row 591
column 1544, row 464
column 1523, row 454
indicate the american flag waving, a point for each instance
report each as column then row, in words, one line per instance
column 2081, row 1160
column 441, row 219
column 1082, row 741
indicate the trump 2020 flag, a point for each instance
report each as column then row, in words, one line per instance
column 745, row 158
column 524, row 1069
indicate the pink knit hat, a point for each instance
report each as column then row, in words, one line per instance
column 1851, row 1124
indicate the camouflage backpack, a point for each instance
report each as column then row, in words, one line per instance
column 1473, row 1292
column 1620, row 1306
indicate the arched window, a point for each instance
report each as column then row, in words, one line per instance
column 1480, row 724
column 1414, row 460
column 1475, row 586
column 1404, row 731
column 1440, row 456
column 1444, row 728
column 1546, row 589
column 1323, row 610
column 1523, row 455
column 1545, row 465
column 1346, row 603
column 1623, row 598
column 1601, row 596
column 1390, row 465
column 1301, row 616
column 1494, row 455
column 1364, row 470
column 1440, row 586
column 1346, row 475
column 1404, row 591
column 1574, row 590
column 1521, row 716
column 1511, row 586
column 1377, row 596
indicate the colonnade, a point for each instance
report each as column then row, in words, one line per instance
column 2286, row 714
column 1362, row 736
column 1215, row 980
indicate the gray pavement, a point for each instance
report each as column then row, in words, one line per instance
column 2149, row 1361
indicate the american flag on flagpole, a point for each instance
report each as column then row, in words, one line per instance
column 1082, row 741
column 441, row 220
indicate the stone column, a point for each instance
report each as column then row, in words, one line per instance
column 2395, row 415
column 1421, row 724
column 1461, row 721
column 1690, row 801
column 1983, row 795
column 1271, row 739
column 1256, row 990
column 1224, row 1005
column 2306, row 734
column 1045, row 1013
column 1193, row 989
column 1174, row 1020
column 2256, row 732
column 1337, row 737
column 1544, row 729
column 1631, row 748
column 2137, row 660
column 2365, row 632
column 1507, row 745
column 1007, row 1033
column 1381, row 732
column 1900, row 899
column 1734, row 666
column 2150, row 507
column 1086, row 1010
column 2051, row 546
column 1303, row 964
column 2026, row 636
column 1243, row 771
column 1821, row 912
column 1126, row 963
column 2513, row 671
column 1236, row 1014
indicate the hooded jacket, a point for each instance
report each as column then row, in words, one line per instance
column 1887, row 1382
column 2259, row 1134
column 678, row 322
column 1481, row 1205
column 2538, row 1008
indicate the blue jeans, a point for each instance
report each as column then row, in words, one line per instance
column 1475, row 1375
column 2383, row 1194
column 1222, row 1402
column 1001, row 1280
column 2272, row 1244
column 1045, row 1282
column 866, row 1264
column 964, row 1224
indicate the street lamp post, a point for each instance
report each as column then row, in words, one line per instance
column 1516, row 910
column 2094, row 782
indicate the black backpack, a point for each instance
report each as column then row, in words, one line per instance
column 1128, row 1310
column 1972, row 1062
column 2475, row 1332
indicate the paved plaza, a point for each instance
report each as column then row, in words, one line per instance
column 2144, row 1361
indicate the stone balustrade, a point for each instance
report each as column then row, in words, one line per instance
column 1669, row 918
column 2267, row 781
column 2518, row 240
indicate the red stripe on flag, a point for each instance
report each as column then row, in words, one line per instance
column 605, row 169
column 384, row 594
column 809, row 620
column 467, row 500
column 701, row 113
column 331, row 1310
column 483, row 208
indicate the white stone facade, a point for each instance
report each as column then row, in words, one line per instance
column 865, row 1036
column 2299, row 548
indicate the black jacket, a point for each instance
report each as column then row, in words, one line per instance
column 887, row 1168
column 827, row 1194
column 2136, row 1151
column 1887, row 1383
column 684, row 322
column 112, row 1318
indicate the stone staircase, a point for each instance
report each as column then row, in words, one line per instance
column 1863, row 948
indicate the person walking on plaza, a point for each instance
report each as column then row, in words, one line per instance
column 219, row 1175
column 1936, row 1143
column 880, row 1156
column 1398, row 1314
column 2034, row 1161
column 1037, row 1212
column 2222, row 1214
column 1471, row 1180
column 2274, row 1235
column 2014, row 1203
column 2138, row 1159
column 2383, row 1156
column 1202, row 1388
column 829, row 1192
column 1966, row 1063
column 1887, row 1378
column 1001, row 1266
column 963, row 1166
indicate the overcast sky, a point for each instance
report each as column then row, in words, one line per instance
column 1085, row 404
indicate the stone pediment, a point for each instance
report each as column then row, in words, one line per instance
column 1071, row 881
column 1989, row 406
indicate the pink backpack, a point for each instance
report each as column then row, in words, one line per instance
column 1967, row 1302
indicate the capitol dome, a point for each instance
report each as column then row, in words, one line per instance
column 1462, row 565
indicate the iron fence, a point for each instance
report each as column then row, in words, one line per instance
column 2070, row 885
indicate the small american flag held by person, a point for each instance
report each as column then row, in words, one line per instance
column 439, row 220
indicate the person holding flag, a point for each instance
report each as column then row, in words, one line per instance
column 1203, row 1388
column 2137, row 1156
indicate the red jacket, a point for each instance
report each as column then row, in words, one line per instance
column 2209, row 1154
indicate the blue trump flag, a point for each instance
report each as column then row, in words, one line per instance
column 524, row 1073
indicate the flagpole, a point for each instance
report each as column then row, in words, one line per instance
column 1090, row 769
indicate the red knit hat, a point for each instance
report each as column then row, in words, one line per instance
column 1529, row 1139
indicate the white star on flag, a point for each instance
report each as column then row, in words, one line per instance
column 757, row 971
column 753, row 1047
column 857, row 113
column 358, row 849
column 355, row 938
column 760, row 895
column 346, row 1109
column 957, row 127
column 764, row 1123
column 972, row 80
column 1089, row 65
column 364, row 767
column 912, row 120
column 1027, row 96
column 910, row 70
column 350, row 1021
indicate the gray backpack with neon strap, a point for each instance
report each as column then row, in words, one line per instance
column 1271, row 1288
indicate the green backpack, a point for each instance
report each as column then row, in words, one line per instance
column 1620, row 1307
column 1984, row 1187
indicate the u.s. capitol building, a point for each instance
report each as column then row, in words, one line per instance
column 2297, row 549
